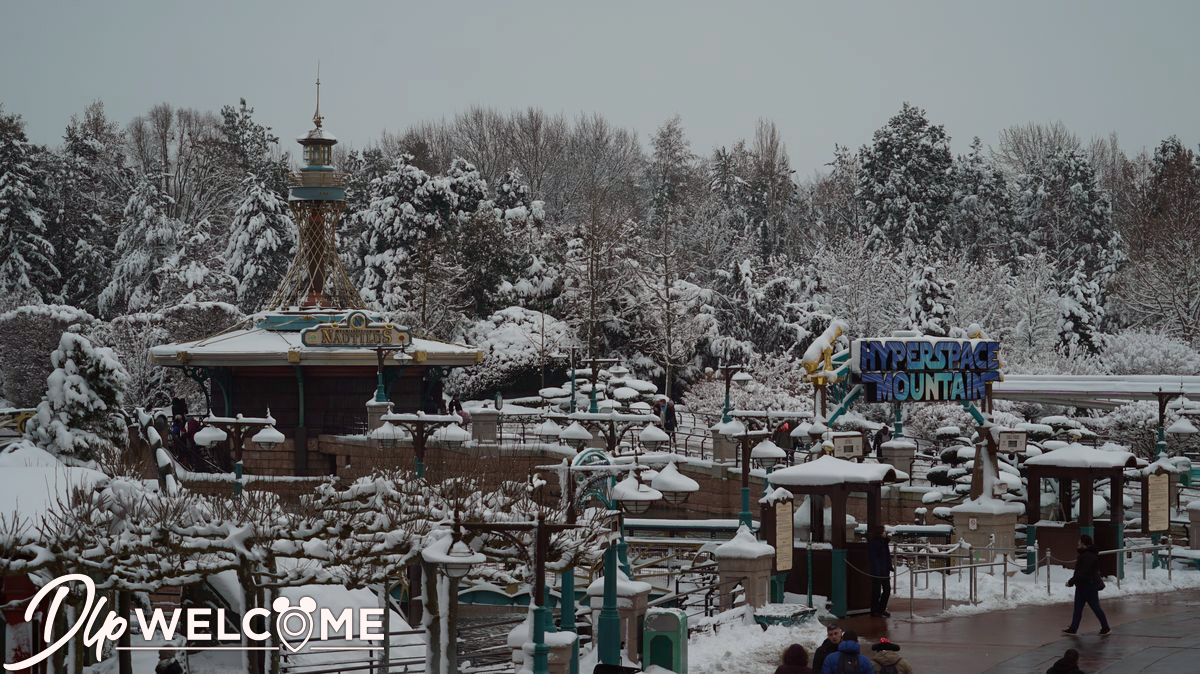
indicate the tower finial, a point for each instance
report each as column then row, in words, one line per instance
column 317, row 118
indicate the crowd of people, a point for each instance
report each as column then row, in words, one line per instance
column 841, row 653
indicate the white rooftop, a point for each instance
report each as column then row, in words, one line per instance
column 829, row 470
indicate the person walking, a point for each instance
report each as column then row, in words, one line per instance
column 833, row 637
column 795, row 661
column 1067, row 664
column 885, row 655
column 880, row 557
column 1087, row 583
column 881, row 436
column 670, row 422
column 848, row 659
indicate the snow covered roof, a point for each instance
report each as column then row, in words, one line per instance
column 259, row 346
column 1080, row 456
column 829, row 470
column 1096, row 391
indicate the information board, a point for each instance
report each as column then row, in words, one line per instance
column 783, row 536
column 1158, row 500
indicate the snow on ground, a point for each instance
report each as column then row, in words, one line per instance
column 737, row 649
column 1026, row 589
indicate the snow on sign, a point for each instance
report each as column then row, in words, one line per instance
column 356, row 330
column 924, row 369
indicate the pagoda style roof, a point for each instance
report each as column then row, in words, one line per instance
column 256, row 346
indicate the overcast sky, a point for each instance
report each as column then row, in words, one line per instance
column 826, row 73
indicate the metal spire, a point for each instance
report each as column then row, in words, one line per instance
column 317, row 118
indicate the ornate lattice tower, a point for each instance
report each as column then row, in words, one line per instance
column 317, row 196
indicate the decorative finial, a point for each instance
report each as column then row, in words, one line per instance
column 317, row 118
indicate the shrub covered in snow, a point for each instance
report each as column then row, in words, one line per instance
column 27, row 336
column 516, row 343
column 79, row 415
column 1134, row 352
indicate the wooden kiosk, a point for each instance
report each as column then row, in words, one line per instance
column 1071, row 464
column 837, row 567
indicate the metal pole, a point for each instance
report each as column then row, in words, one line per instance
column 1169, row 546
column 1047, row 572
column 744, row 516
column 809, row 553
column 943, row 589
column 385, row 657
column 541, row 613
column 609, row 636
column 912, row 584
column 728, row 380
column 566, row 587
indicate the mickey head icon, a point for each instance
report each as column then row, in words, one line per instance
column 294, row 624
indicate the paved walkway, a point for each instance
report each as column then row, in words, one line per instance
column 1151, row 633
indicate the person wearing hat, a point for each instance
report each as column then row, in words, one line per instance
column 167, row 664
column 848, row 659
column 885, row 655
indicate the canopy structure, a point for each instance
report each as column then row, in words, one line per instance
column 1092, row 391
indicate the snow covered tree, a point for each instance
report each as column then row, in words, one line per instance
column 26, row 256
column 980, row 211
column 771, row 188
column 904, row 182
column 1031, row 304
column 27, row 334
column 1080, row 315
column 262, row 240
column 1060, row 209
column 930, row 303
column 80, row 415
column 245, row 146
column 149, row 236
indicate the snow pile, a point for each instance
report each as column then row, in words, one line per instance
column 748, row 648
column 630, row 489
column 744, row 546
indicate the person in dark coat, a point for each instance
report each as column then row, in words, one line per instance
column 881, row 436
column 167, row 664
column 1067, row 664
column 880, row 557
column 886, row 656
column 833, row 637
column 848, row 659
column 1087, row 583
column 795, row 661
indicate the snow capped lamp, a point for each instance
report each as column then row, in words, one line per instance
column 1182, row 426
column 454, row 556
column 268, row 438
column 652, row 437
column 548, row 431
column 674, row 486
column 209, row 436
column 768, row 454
column 452, row 436
column 618, row 371
column 742, row 378
column 575, row 435
column 1179, row 404
column 634, row 496
column 387, row 435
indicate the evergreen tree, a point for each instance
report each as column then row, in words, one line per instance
column 27, row 270
column 904, row 182
column 1081, row 315
column 980, row 211
column 772, row 191
column 244, row 146
column 1061, row 210
column 79, row 416
column 930, row 303
column 262, row 241
column 148, row 238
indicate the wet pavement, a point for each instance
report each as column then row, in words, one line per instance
column 1151, row 633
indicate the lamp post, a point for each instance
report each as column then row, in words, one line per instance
column 234, row 429
column 733, row 374
column 422, row 426
column 1169, row 401
column 570, row 356
column 542, row 531
column 746, row 439
column 380, row 385
column 767, row 455
column 594, row 376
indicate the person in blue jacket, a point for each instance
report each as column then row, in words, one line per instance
column 848, row 659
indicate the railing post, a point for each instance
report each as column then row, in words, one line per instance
column 943, row 589
column 1047, row 573
column 912, row 583
column 1169, row 546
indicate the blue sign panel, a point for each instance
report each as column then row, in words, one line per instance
column 924, row 369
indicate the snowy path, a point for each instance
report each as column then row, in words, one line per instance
column 1151, row 633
